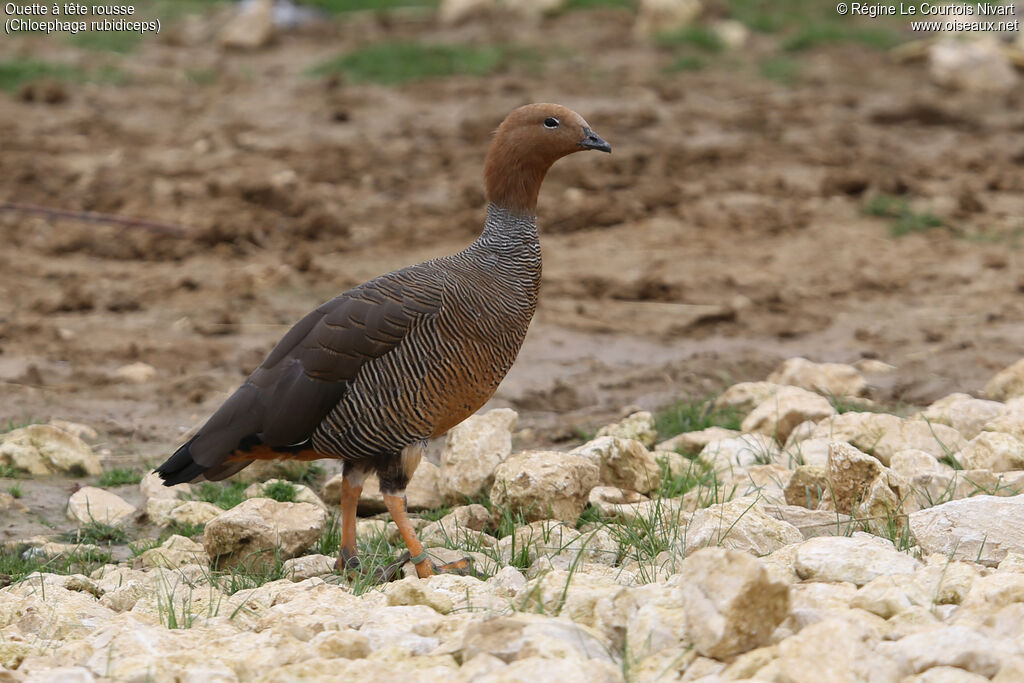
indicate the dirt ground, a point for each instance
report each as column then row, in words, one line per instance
column 725, row 233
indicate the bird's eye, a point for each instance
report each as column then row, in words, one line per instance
column 551, row 122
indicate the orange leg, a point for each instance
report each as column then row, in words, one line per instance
column 349, row 501
column 396, row 506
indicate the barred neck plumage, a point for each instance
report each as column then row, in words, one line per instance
column 508, row 233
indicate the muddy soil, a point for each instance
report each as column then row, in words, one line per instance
column 725, row 233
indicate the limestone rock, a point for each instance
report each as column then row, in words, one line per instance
column 691, row 443
column 953, row 646
column 303, row 494
column 423, row 492
column 519, row 636
column 1010, row 420
column 454, row 11
column 731, row 603
column 191, row 512
column 152, row 487
column 745, row 396
column 912, row 462
column 964, row 529
column 833, row 650
column 856, row 559
column 462, row 523
column 307, row 566
column 623, row 463
column 638, row 426
column 977, row 65
column 176, row 551
column 251, row 27
column 806, row 487
column 830, row 379
column 882, row 435
column 665, row 16
column 604, row 497
column 743, row 451
column 963, row 413
column 994, row 451
column 739, row 524
column 858, row 484
column 136, row 373
column 256, row 529
column 91, row 504
column 1008, row 383
column 810, row 452
column 779, row 415
column 44, row 449
column 472, row 451
column 545, row 484
column 810, row 523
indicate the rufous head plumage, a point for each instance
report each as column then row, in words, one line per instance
column 526, row 144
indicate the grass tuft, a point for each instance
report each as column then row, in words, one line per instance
column 281, row 491
column 16, row 563
column 691, row 416
column 392, row 63
column 780, row 69
column 694, row 35
column 15, row 491
column 904, row 220
column 98, row 533
column 224, row 495
column 120, row 476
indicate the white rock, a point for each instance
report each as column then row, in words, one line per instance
column 739, row 524
column 833, row 651
column 912, row 462
column 623, row 463
column 994, row 451
column 44, row 449
column 472, row 451
column 136, row 373
column 301, row 568
column 545, row 484
column 82, row 431
column 830, row 379
column 730, row 601
column 665, row 16
column 812, row 452
column 806, row 487
column 857, row 559
column 963, row 413
column 152, row 487
column 743, row 451
column 882, row 435
column 519, row 636
column 810, row 523
column 745, row 396
column 454, row 11
column 945, row 674
column 953, row 646
column 463, row 525
column 638, row 426
column 976, row 65
column 176, row 551
column 256, row 529
column 1010, row 420
column 251, row 27
column 691, row 443
column 91, row 504
column 1008, row 383
column 779, row 415
column 733, row 34
column 965, row 529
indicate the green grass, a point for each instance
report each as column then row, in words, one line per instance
column 186, row 529
column 120, row 476
column 686, row 63
column 392, row 63
column 9, row 471
column 436, row 513
column 696, row 36
column 98, row 533
column 691, row 416
column 780, row 69
column 17, row 563
column 904, row 220
column 15, row 491
column 15, row 73
column 225, row 495
column 815, row 35
column 199, row 76
column 120, row 42
column 281, row 491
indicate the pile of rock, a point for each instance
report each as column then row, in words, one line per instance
column 812, row 544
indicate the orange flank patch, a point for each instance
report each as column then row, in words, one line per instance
column 268, row 453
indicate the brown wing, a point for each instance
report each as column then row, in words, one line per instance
column 310, row 370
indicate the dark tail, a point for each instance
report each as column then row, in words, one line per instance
column 180, row 467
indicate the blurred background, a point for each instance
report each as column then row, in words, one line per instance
column 785, row 182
